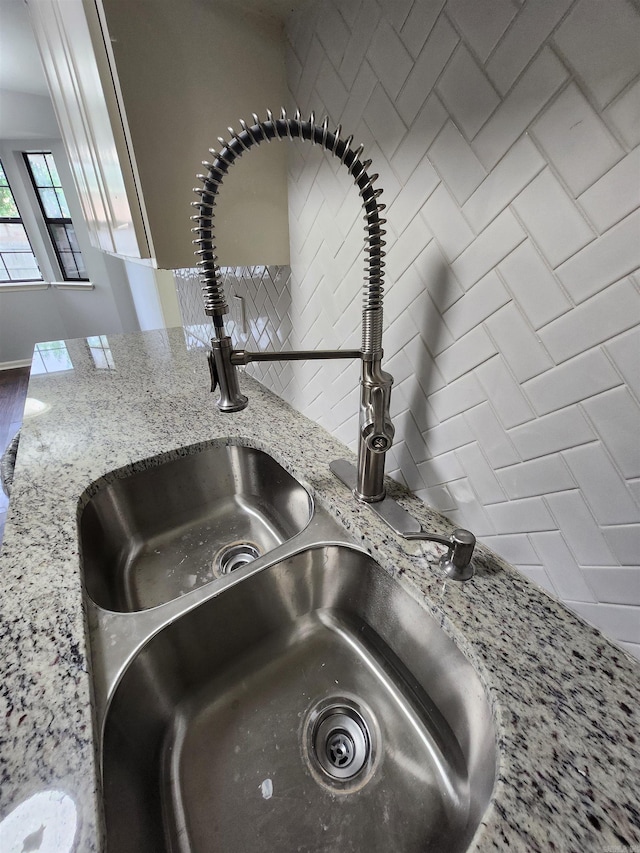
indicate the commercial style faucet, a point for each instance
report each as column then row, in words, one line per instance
column 376, row 430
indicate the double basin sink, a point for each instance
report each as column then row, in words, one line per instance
column 262, row 684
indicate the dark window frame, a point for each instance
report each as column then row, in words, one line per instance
column 53, row 222
column 16, row 220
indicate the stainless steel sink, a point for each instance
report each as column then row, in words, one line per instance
column 156, row 534
column 310, row 704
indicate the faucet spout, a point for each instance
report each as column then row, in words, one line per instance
column 376, row 428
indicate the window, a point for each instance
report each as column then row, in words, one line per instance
column 51, row 357
column 101, row 352
column 53, row 203
column 17, row 261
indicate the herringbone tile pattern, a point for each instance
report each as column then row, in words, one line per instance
column 506, row 138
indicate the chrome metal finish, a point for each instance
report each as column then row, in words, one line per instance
column 207, row 709
column 340, row 741
column 235, row 556
column 160, row 533
column 456, row 563
column 376, row 431
column 224, row 375
column 243, row 357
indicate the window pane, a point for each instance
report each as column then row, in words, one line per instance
column 62, row 202
column 13, row 238
column 39, row 170
column 52, row 170
column 49, row 200
column 53, row 356
column 18, row 261
column 71, row 236
column 7, row 202
column 20, row 266
column 60, row 238
column 69, row 265
column 82, row 272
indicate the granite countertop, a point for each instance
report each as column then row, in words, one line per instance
column 565, row 700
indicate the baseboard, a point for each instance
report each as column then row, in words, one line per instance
column 12, row 365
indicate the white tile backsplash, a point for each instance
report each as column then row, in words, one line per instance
column 478, row 303
column 614, row 310
column 504, row 392
column 510, row 176
column 624, row 114
column 427, row 68
column 625, row 353
column 576, row 140
column 602, row 486
column 491, row 435
column 504, row 137
column 457, row 396
column 533, row 285
column 518, row 343
column 488, row 249
column 447, row 223
column 568, row 580
column 615, row 194
column 552, row 219
column 522, row 42
column 540, row 476
column 454, row 159
column 616, row 415
column 466, row 92
column 557, row 431
column 539, row 83
column 389, row 58
column 600, row 41
column 612, row 585
column 617, row 621
column 419, row 24
column 624, row 541
column 576, row 522
column 482, row 25
column 581, row 377
column 485, row 482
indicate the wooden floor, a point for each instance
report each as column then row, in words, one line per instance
column 13, row 393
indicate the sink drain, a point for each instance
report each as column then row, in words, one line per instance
column 340, row 743
column 340, row 749
column 234, row 556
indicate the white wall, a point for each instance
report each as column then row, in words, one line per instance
column 26, row 116
column 506, row 137
column 126, row 295
column 29, row 316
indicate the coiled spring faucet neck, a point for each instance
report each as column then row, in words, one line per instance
column 376, row 429
column 297, row 128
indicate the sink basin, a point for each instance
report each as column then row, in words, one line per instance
column 154, row 535
column 310, row 705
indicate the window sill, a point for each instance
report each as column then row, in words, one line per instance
column 8, row 287
column 73, row 285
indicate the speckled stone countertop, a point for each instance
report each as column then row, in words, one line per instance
column 565, row 700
